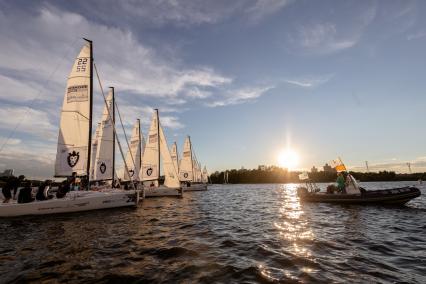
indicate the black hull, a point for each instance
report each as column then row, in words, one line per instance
column 395, row 196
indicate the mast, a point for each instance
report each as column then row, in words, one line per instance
column 91, row 110
column 140, row 144
column 113, row 135
column 158, row 141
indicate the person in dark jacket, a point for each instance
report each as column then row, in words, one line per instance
column 41, row 190
column 12, row 183
column 25, row 194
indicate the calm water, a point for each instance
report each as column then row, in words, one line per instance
column 232, row 233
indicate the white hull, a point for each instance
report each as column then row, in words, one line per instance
column 195, row 187
column 162, row 191
column 75, row 201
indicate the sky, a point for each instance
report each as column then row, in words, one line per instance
column 244, row 78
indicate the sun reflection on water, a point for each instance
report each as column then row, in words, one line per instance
column 293, row 227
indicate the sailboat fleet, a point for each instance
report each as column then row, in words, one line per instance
column 92, row 159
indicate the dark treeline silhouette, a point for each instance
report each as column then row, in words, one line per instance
column 279, row 175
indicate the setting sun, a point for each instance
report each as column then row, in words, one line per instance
column 288, row 159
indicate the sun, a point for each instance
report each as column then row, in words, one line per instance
column 288, row 158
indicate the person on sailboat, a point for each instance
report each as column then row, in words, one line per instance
column 12, row 184
column 341, row 183
column 25, row 194
column 42, row 190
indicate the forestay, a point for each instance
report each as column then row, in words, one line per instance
column 104, row 168
column 74, row 130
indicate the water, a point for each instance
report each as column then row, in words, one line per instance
column 229, row 234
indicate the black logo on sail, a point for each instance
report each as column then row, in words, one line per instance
column 73, row 158
column 102, row 168
column 149, row 171
column 131, row 172
column 185, row 175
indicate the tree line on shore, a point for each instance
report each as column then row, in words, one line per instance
column 280, row 175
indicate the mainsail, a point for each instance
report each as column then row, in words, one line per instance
column 205, row 175
column 150, row 170
column 104, row 164
column 186, row 164
column 94, row 150
column 175, row 156
column 73, row 151
column 133, row 157
column 171, row 178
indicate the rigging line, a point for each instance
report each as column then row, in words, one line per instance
column 125, row 136
column 46, row 83
column 113, row 124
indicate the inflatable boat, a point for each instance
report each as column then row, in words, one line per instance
column 394, row 196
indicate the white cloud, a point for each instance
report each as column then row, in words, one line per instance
column 310, row 81
column 240, row 96
column 328, row 35
column 323, row 38
column 416, row 35
column 263, row 8
column 122, row 61
column 27, row 120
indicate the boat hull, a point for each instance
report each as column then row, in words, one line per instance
column 195, row 187
column 162, row 191
column 395, row 196
column 76, row 201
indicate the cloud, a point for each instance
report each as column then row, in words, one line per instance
column 240, row 96
column 323, row 38
column 417, row 35
column 122, row 60
column 263, row 8
column 327, row 34
column 310, row 81
column 27, row 120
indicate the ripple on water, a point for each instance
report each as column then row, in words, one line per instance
column 229, row 234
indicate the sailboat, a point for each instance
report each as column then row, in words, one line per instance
column 74, row 150
column 225, row 177
column 155, row 149
column 175, row 156
column 104, row 164
column 205, row 175
column 189, row 174
column 134, row 155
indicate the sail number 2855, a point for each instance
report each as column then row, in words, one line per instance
column 81, row 64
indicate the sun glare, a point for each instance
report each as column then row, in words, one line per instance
column 288, row 159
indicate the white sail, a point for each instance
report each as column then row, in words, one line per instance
column 171, row 178
column 94, row 150
column 150, row 170
column 73, row 142
column 186, row 164
column 205, row 175
column 175, row 156
column 133, row 157
column 104, row 164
